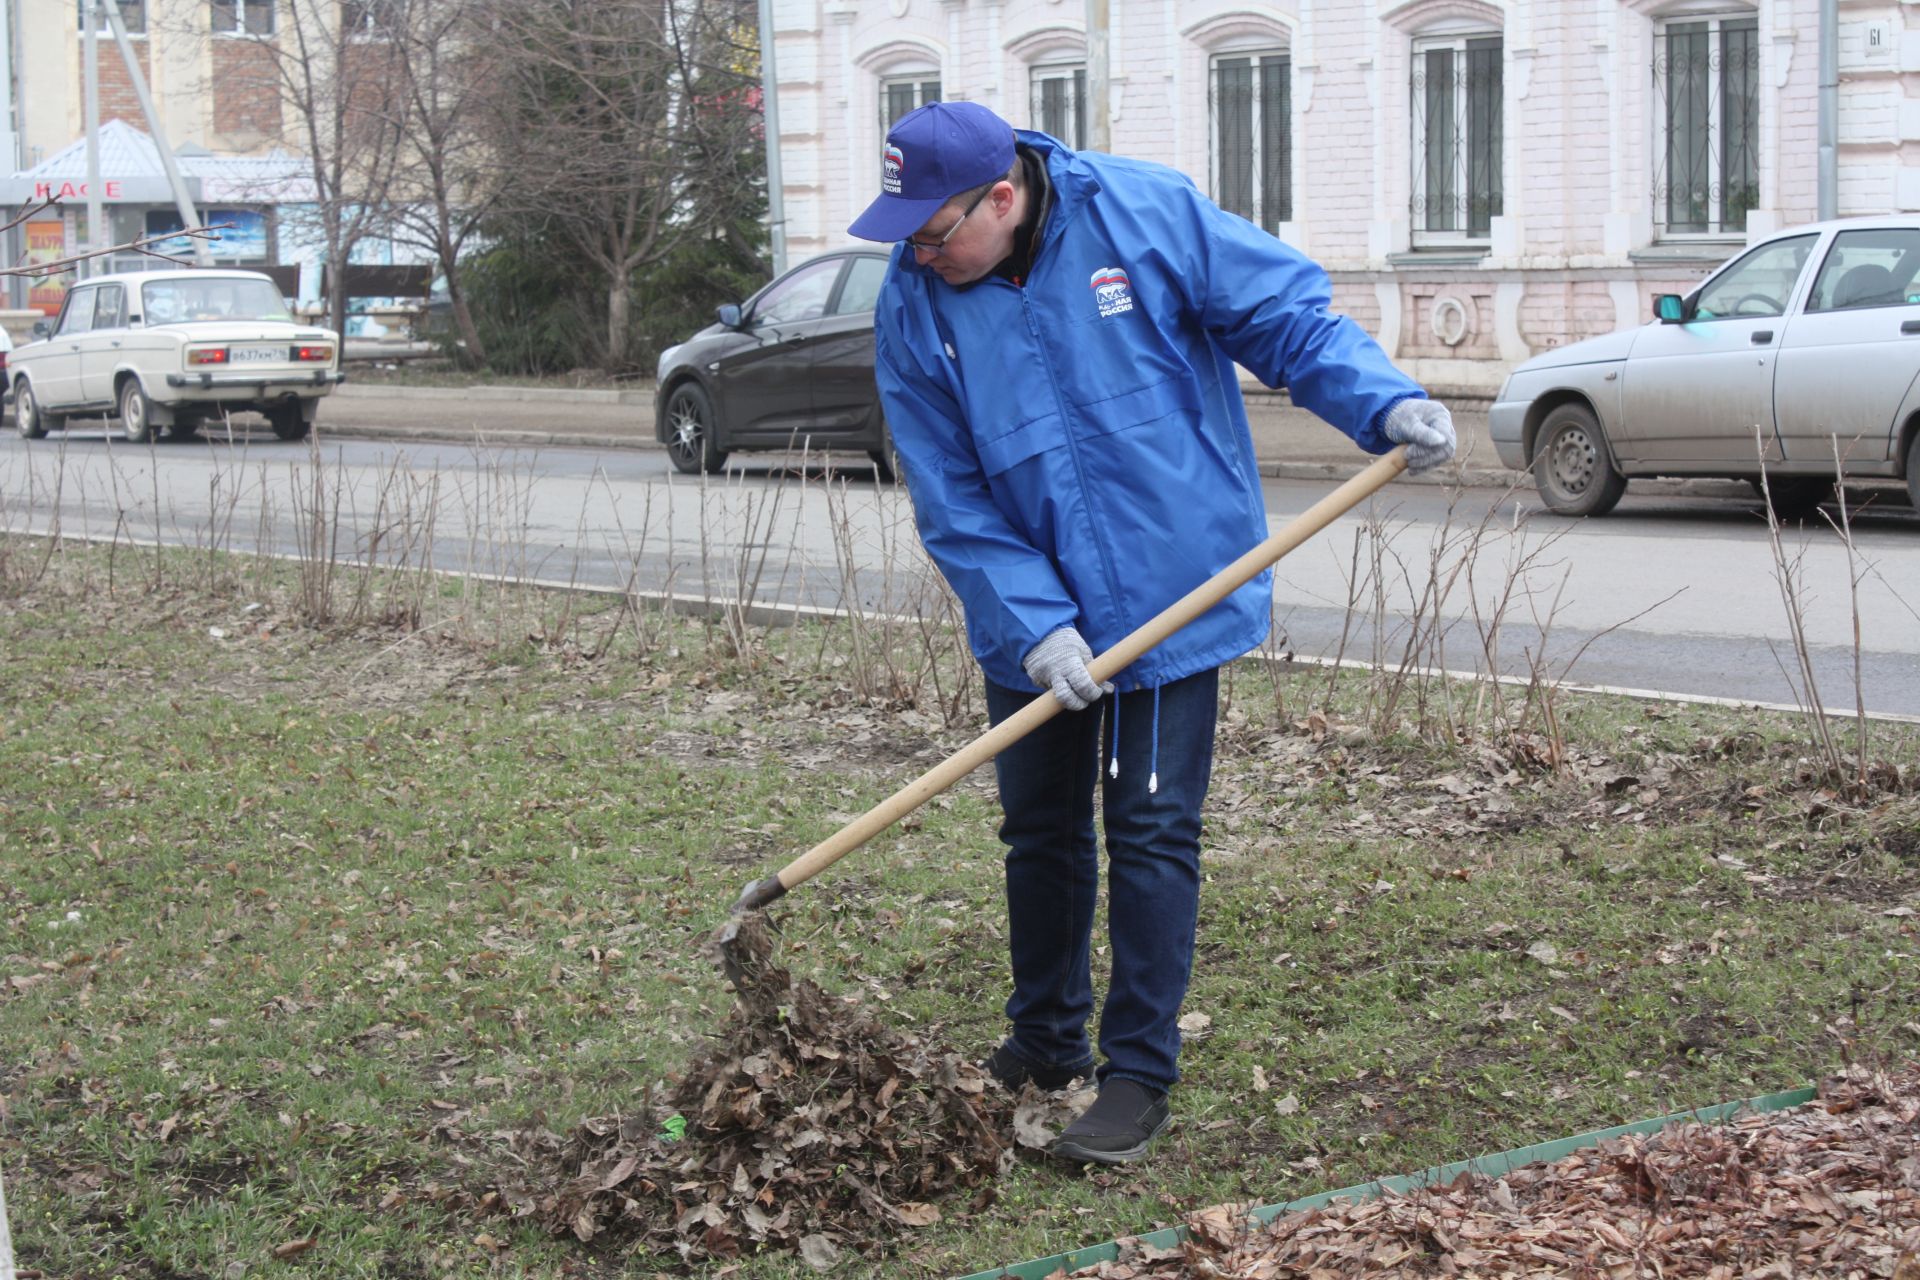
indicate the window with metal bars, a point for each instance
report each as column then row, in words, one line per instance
column 1250, row 105
column 243, row 17
column 901, row 94
column 133, row 16
column 1706, row 94
column 369, row 19
column 1060, row 103
column 1457, row 138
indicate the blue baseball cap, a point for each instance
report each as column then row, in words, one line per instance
column 933, row 154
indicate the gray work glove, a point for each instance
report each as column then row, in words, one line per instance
column 1426, row 428
column 1058, row 664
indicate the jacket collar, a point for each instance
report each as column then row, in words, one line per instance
column 1072, row 178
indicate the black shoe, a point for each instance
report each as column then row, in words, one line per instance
column 1012, row 1070
column 1119, row 1127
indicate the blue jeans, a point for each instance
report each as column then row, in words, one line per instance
column 1047, row 785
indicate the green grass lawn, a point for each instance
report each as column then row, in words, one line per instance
column 298, row 927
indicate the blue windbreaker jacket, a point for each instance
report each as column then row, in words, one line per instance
column 1077, row 450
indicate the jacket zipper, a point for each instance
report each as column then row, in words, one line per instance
column 1079, row 469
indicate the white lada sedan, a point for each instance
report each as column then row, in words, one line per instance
column 173, row 350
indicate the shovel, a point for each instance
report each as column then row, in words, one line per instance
column 734, row 955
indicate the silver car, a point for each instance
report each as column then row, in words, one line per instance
column 1808, row 340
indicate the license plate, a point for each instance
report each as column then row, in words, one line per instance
column 259, row 355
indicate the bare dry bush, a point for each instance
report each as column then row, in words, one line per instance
column 1408, row 594
column 1854, row 775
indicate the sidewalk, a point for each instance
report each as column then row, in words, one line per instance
column 1289, row 443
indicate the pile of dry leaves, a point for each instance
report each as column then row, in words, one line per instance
column 808, row 1126
column 1831, row 1188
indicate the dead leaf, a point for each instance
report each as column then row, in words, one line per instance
column 917, row 1215
column 819, row 1252
column 293, row 1248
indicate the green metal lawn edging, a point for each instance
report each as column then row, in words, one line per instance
column 1492, row 1166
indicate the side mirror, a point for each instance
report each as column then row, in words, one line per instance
column 729, row 314
column 1670, row 308
column 42, row 329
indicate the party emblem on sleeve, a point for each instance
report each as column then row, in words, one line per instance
column 1110, row 291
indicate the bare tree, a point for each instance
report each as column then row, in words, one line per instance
column 445, row 182
column 625, row 116
column 332, row 64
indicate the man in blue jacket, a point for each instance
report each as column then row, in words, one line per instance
column 1055, row 350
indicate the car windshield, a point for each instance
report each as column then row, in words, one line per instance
column 213, row 298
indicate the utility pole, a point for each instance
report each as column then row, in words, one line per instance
column 770, row 125
column 1829, row 172
column 1099, row 133
column 90, row 82
column 189, row 219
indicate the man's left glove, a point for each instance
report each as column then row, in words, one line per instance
column 1426, row 428
column 1058, row 664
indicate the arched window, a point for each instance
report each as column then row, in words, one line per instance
column 906, row 75
column 904, row 92
column 1456, row 85
column 1249, row 113
column 1056, row 61
column 1706, row 106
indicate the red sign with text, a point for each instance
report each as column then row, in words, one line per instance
column 74, row 190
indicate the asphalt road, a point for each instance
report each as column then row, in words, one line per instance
column 1670, row 593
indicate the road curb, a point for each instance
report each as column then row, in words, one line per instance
column 1272, row 469
column 1471, row 400
column 485, row 439
column 516, row 395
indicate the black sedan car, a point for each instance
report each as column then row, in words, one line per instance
column 789, row 369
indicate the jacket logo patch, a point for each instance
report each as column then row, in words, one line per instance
column 1110, row 291
column 890, row 166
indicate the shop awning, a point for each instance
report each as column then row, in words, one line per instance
column 131, row 173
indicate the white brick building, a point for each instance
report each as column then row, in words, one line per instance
column 1482, row 179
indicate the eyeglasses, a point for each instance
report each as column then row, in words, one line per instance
column 940, row 246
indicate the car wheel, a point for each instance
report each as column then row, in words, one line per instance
column 1572, row 466
column 28, row 420
column 1913, row 471
column 1794, row 497
column 287, row 421
column 136, row 412
column 690, row 431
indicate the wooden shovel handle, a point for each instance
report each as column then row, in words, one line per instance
column 1105, row 667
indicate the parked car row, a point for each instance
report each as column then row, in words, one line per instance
column 1800, row 356
column 169, row 350
column 1806, row 344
